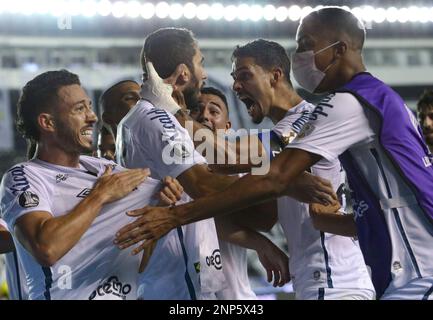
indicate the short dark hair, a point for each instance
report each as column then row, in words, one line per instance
column 166, row 48
column 426, row 99
column 216, row 92
column 108, row 91
column 39, row 95
column 267, row 54
column 338, row 20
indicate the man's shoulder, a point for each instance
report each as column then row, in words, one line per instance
column 336, row 105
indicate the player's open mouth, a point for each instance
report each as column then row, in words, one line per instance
column 251, row 105
column 87, row 132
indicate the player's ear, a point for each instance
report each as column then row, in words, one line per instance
column 276, row 75
column 340, row 49
column 46, row 122
column 228, row 125
column 180, row 76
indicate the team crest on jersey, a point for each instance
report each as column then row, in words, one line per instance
column 197, row 267
column 61, row 177
column 84, row 193
column 181, row 151
column 306, row 130
column 28, row 199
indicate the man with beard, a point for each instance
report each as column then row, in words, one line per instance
column 63, row 208
column 153, row 137
column 425, row 116
column 365, row 124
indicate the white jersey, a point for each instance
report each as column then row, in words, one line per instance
column 15, row 276
column 341, row 124
column 319, row 262
column 94, row 268
column 236, row 273
column 150, row 137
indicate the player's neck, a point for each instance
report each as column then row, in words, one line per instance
column 55, row 155
column 284, row 100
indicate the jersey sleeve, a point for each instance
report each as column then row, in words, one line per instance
column 337, row 123
column 167, row 143
column 22, row 192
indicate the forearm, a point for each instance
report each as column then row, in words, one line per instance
column 337, row 223
column 57, row 236
column 6, row 242
column 230, row 231
column 245, row 192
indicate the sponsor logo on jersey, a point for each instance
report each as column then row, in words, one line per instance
column 111, row 287
column 322, row 108
column 214, row 259
column 84, row 193
column 61, row 177
column 20, row 182
column 359, row 208
column 28, row 199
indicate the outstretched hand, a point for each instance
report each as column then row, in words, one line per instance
column 152, row 223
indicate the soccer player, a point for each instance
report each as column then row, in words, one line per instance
column 425, row 116
column 117, row 100
column 378, row 140
column 212, row 112
column 106, row 143
column 153, row 137
column 15, row 276
column 63, row 208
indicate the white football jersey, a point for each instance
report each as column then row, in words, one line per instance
column 317, row 259
column 15, row 276
column 236, row 273
column 340, row 123
column 94, row 268
column 150, row 137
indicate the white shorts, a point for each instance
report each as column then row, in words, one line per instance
column 417, row 289
column 336, row 294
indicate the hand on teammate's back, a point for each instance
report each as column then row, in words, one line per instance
column 115, row 186
column 170, row 193
column 308, row 188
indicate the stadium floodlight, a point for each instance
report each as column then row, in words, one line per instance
column 230, row 13
column 379, row 15
column 118, row 10
column 104, row 8
column 203, row 11
column 269, row 12
column 281, row 14
column 88, row 8
column 391, row 14
column 403, row 15
column 133, row 9
column 294, row 13
column 256, row 13
column 147, row 10
column 176, row 11
column 306, row 11
column 243, row 11
column 161, row 10
column 207, row 10
column 217, row 11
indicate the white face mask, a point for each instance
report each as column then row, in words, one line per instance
column 305, row 71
